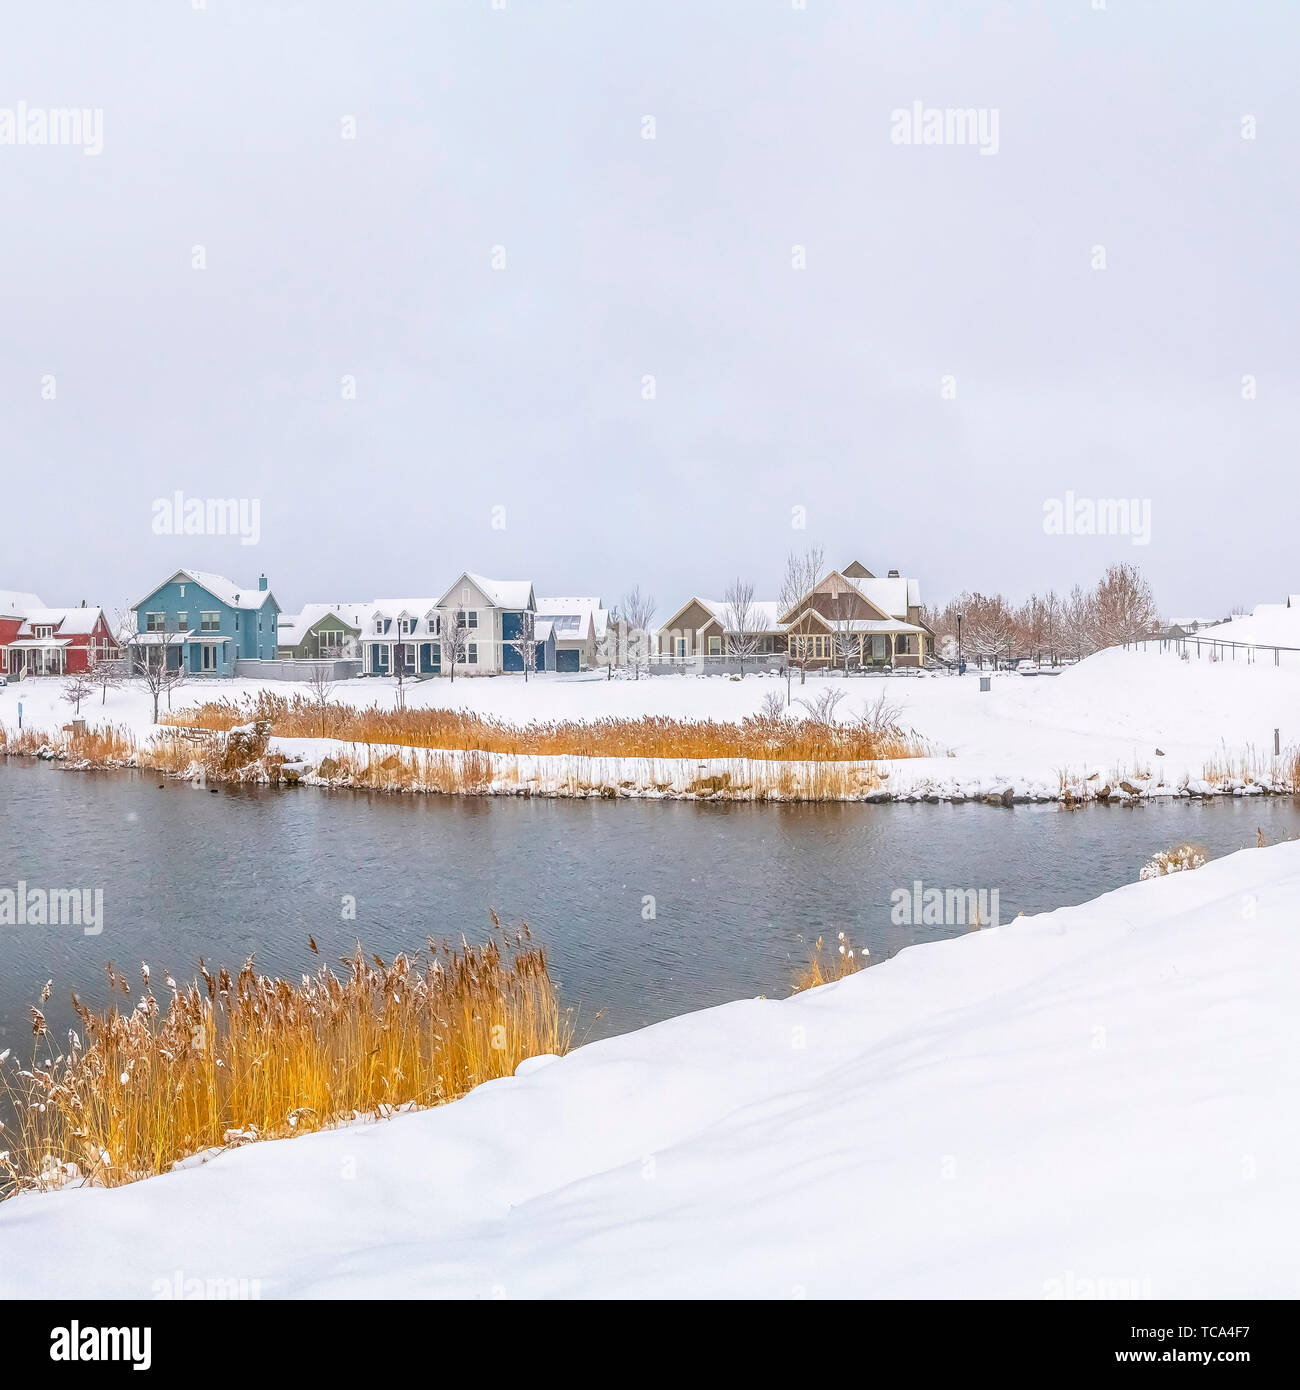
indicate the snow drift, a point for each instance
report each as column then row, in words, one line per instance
column 1099, row 1101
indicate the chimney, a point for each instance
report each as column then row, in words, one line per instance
column 893, row 574
column 261, row 583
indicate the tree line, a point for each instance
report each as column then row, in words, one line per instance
column 1047, row 627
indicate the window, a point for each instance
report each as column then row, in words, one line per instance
column 681, row 646
column 435, row 624
column 468, row 619
column 408, row 653
column 471, row 654
column 43, row 631
column 715, row 646
column 211, row 622
column 155, row 622
column 182, row 620
column 406, row 626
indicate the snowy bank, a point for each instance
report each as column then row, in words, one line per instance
column 1142, row 717
column 1096, row 1101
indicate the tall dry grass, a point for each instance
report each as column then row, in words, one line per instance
column 227, row 1059
column 825, row 966
column 871, row 735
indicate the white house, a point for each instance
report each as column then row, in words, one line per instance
column 578, row 624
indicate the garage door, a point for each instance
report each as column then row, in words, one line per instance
column 566, row 660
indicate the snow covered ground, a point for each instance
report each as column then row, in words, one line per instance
column 1116, row 714
column 1102, row 1101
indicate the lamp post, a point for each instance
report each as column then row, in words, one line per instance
column 961, row 664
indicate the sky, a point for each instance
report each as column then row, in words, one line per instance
column 612, row 293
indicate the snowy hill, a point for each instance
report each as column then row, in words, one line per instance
column 1100, row 1100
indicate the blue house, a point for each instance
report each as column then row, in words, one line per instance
column 204, row 623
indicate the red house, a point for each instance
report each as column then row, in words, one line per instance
column 14, row 607
column 54, row 641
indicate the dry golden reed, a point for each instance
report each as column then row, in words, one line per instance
column 871, row 736
column 825, row 966
column 229, row 1058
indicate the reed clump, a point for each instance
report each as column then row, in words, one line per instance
column 825, row 966
column 873, row 734
column 227, row 1059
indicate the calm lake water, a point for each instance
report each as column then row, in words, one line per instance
column 738, row 890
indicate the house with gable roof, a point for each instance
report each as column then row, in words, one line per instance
column 202, row 623
column 849, row 618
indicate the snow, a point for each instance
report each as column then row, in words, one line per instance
column 889, row 595
column 16, row 602
column 1117, row 714
column 1270, row 624
column 1098, row 1099
column 70, row 622
column 243, row 596
column 503, row 593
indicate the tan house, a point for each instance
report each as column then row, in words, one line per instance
column 848, row 619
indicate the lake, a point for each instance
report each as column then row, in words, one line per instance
column 646, row 908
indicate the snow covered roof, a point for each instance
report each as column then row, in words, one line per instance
column 764, row 614
column 396, row 608
column 351, row 615
column 222, row 589
column 574, row 618
column 504, row 593
column 542, row 629
column 889, row 595
column 36, row 643
column 14, row 601
column 568, row 605
column 71, row 622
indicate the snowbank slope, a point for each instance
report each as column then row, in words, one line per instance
column 1104, row 1093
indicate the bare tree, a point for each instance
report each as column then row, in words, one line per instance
column 846, row 640
column 526, row 642
column 320, row 686
column 803, row 572
column 454, row 638
column 607, row 644
column 152, row 665
column 105, row 673
column 638, row 612
column 742, row 622
column 1122, row 608
column 77, row 689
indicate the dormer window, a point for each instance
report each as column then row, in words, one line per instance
column 406, row 626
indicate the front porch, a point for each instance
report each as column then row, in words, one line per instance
column 37, row 656
column 860, row 644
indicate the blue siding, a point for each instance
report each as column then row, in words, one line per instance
column 252, row 632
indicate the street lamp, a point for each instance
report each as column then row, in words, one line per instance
column 960, row 662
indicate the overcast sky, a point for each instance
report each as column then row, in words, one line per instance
column 127, row 374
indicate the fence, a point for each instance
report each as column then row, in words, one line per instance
column 296, row 669
column 1218, row 649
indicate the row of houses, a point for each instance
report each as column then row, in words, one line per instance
column 203, row 624
column 849, row 618
column 498, row 621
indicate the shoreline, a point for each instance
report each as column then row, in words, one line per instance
column 331, row 765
